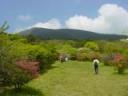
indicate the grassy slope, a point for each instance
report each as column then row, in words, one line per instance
column 78, row 79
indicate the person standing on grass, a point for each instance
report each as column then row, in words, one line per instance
column 96, row 65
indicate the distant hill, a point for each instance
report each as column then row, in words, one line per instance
column 68, row 34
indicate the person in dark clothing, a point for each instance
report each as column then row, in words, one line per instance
column 96, row 65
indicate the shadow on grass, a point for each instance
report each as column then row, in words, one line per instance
column 26, row 91
column 45, row 70
column 121, row 74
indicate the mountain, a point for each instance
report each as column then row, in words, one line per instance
column 68, row 34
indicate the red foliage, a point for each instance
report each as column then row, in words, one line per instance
column 30, row 66
column 118, row 57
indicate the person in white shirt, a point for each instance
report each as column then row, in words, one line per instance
column 96, row 65
column 66, row 59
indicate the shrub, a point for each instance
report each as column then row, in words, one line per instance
column 108, row 59
column 29, row 66
column 86, row 54
column 46, row 57
column 14, row 75
column 19, row 77
column 81, row 56
column 92, row 45
column 9, row 72
column 119, row 62
column 67, row 49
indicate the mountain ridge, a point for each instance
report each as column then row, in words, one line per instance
column 68, row 34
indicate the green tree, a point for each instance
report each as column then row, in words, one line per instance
column 4, row 27
column 67, row 49
column 92, row 45
column 10, row 73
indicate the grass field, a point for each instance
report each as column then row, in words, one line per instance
column 76, row 79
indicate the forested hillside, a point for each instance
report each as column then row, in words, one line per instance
column 70, row 34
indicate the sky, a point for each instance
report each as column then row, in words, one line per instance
column 102, row 16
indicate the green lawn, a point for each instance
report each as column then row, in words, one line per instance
column 77, row 79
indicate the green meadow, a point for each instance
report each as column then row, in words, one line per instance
column 75, row 78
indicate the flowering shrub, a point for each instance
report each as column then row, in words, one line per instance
column 32, row 67
column 119, row 62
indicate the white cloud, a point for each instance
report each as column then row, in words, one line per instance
column 111, row 19
column 24, row 17
column 51, row 24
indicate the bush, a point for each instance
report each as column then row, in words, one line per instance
column 84, row 54
column 92, row 45
column 81, row 56
column 67, row 49
column 9, row 72
column 13, row 75
column 30, row 66
column 19, row 78
column 46, row 57
column 108, row 59
column 119, row 62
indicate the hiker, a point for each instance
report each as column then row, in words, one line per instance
column 61, row 59
column 96, row 65
column 66, row 58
